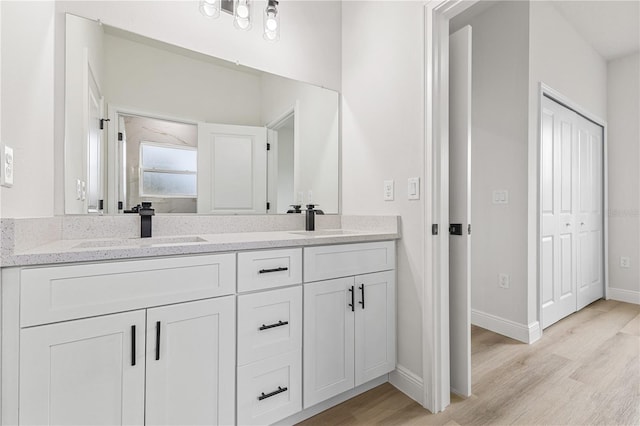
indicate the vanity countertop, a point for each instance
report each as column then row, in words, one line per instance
column 89, row 250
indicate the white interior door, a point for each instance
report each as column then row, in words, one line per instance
column 232, row 169
column 460, row 210
column 590, row 256
column 95, row 146
column 571, row 191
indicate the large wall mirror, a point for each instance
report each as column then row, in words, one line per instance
column 148, row 121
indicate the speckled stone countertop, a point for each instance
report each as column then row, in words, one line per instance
column 93, row 246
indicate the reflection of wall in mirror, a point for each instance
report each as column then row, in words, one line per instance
column 177, row 85
column 316, row 153
column 171, row 133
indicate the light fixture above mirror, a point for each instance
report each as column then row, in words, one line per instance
column 241, row 11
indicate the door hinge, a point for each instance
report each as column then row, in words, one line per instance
column 434, row 229
column 120, row 136
column 268, row 205
column 102, row 120
column 268, row 146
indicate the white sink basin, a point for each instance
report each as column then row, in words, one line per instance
column 323, row 232
column 138, row 242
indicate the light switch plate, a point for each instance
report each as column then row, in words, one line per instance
column 388, row 190
column 7, row 166
column 625, row 262
column 500, row 196
column 413, row 188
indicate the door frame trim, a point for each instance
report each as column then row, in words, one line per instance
column 435, row 291
column 555, row 95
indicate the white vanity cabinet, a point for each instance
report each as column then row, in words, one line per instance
column 160, row 364
column 269, row 336
column 349, row 322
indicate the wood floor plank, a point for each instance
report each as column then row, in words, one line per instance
column 584, row 370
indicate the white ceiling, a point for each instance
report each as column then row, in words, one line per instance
column 612, row 27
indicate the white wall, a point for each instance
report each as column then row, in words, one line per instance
column 383, row 138
column 500, row 64
column 623, row 110
column 562, row 59
column 27, row 106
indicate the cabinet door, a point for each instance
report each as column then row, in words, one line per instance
column 83, row 372
column 375, row 326
column 191, row 363
column 328, row 339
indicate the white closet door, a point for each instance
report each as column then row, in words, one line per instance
column 589, row 219
column 232, row 169
column 571, row 189
column 558, row 194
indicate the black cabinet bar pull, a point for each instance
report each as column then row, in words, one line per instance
column 352, row 300
column 278, row 324
column 280, row 269
column 157, row 340
column 133, row 345
column 362, row 293
column 270, row 394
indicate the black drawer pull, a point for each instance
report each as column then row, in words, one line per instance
column 133, row 345
column 362, row 292
column 270, row 394
column 352, row 299
column 280, row 269
column 278, row 324
column 157, row 340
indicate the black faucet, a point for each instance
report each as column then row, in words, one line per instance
column 145, row 212
column 310, row 223
column 295, row 208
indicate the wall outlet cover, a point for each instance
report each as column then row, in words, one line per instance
column 7, row 166
column 503, row 280
column 388, row 190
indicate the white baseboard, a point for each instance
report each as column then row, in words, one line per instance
column 622, row 295
column 522, row 332
column 408, row 383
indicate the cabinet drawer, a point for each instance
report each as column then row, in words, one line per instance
column 270, row 390
column 269, row 323
column 59, row 293
column 326, row 262
column 269, row 268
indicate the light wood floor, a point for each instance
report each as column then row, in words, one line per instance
column 584, row 370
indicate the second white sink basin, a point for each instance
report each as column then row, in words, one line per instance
column 138, row 242
column 323, row 232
